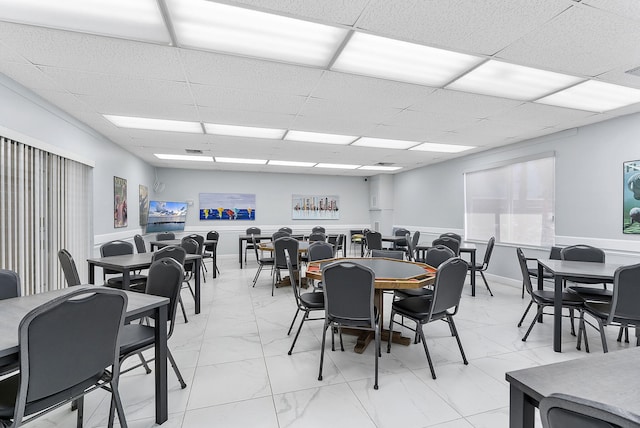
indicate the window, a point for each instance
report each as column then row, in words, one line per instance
column 45, row 205
column 513, row 202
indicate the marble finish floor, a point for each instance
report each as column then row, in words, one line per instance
column 234, row 359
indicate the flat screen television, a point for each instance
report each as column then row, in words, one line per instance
column 166, row 216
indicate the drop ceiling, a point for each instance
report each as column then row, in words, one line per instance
column 91, row 75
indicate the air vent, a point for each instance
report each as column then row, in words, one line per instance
column 193, row 151
column 634, row 71
column 385, row 163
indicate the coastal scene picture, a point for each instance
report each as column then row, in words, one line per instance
column 315, row 207
column 631, row 197
column 166, row 216
column 227, row 206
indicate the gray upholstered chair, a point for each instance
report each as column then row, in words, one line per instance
column 482, row 267
column 390, row 254
column 165, row 236
column 249, row 245
column 9, row 288
column 69, row 268
column 280, row 262
column 318, row 229
column 448, row 241
column 567, row 411
column 141, row 247
column 374, row 241
column 262, row 261
column 119, row 248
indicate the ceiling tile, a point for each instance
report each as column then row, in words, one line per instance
column 628, row 9
column 238, row 99
column 248, row 73
column 336, row 11
column 141, row 108
column 29, row 76
column 582, row 41
column 471, row 26
column 246, row 117
column 463, row 104
column 429, row 121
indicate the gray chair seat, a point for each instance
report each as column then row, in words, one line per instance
column 591, row 292
column 136, row 336
column 416, row 307
column 313, row 300
column 547, row 297
column 413, row 292
column 133, row 279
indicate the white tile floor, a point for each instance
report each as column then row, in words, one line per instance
column 234, row 359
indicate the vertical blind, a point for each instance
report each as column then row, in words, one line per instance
column 515, row 203
column 45, row 205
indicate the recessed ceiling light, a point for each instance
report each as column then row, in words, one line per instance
column 291, row 163
column 336, row 166
column 184, row 157
column 595, row 96
column 221, row 27
column 443, row 148
column 244, row 131
column 139, row 20
column 512, row 81
column 385, row 143
column 317, row 137
column 380, row 168
column 401, row 61
column 154, row 124
column 240, row 160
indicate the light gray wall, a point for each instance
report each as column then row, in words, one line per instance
column 273, row 200
column 588, row 190
column 26, row 113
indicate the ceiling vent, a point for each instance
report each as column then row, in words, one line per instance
column 634, row 71
column 193, row 151
column 385, row 163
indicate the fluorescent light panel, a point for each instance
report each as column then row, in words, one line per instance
column 291, row 163
column 139, row 20
column 207, row 25
column 512, row 81
column 391, row 59
column 385, row 143
column 317, row 137
column 336, row 166
column 380, row 168
column 244, row 131
column 184, row 157
column 241, row 160
column 443, row 148
column 154, row 124
column 595, row 96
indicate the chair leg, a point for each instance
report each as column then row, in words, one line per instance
column 535, row 319
column 523, row 289
column 295, row 339
column 255, row 278
column 377, row 340
column 455, row 330
column 117, row 402
column 426, row 348
column 390, row 330
column 605, row 349
column 80, row 407
column 525, row 313
column 184, row 313
column 183, row 385
column 144, row 363
column 486, row 283
column 324, row 336
column 571, row 316
column 293, row 321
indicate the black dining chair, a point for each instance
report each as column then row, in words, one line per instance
column 68, row 348
column 390, row 254
column 69, row 268
column 568, row 411
column 280, row 262
column 211, row 248
column 435, row 257
column 286, row 229
column 249, row 245
column 319, row 251
column 262, row 261
column 9, row 288
column 554, row 254
column 374, row 241
column 482, row 267
column 141, row 247
column 318, row 229
column 165, row 236
column 317, row 236
column 119, row 248
column 441, row 306
column 586, row 253
column 448, row 241
column 451, row 235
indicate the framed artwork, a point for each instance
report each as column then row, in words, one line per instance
column 631, row 197
column 119, row 202
column 143, row 200
column 315, row 207
column 227, row 206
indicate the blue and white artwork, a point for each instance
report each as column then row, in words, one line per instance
column 227, row 206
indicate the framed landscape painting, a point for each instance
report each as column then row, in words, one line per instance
column 631, row 197
column 315, row 207
column 227, row 206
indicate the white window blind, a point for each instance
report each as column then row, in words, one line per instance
column 514, row 202
column 45, row 205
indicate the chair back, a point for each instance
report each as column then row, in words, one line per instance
column 320, row 251
column 115, row 248
column 447, row 289
column 567, row 411
column 253, row 231
column 582, row 253
column 348, row 293
column 526, row 279
column 190, row 246
column 390, row 254
column 69, row 268
column 280, row 234
column 199, row 239
column 448, row 241
column 286, row 229
column 140, row 245
column 402, row 232
column 317, row 236
column 292, row 276
column 415, row 239
column 9, row 284
column 374, row 240
column 625, row 303
column 165, row 236
column 254, row 245
column 554, row 254
column 170, row 251
column 451, row 235
column 339, row 245
column 212, row 235
column 165, row 280
column 487, row 254
column 67, row 343
column 437, row 255
column 285, row 243
column 318, row 229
